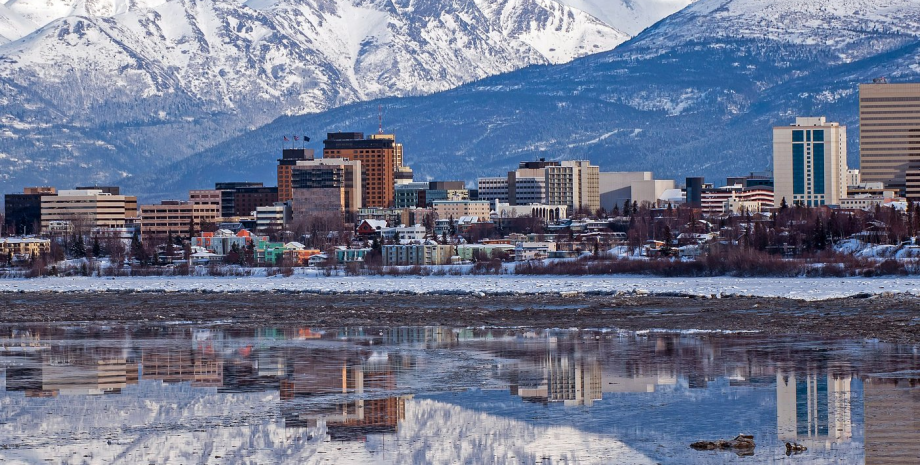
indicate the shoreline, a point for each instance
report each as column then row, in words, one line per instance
column 804, row 289
column 887, row 318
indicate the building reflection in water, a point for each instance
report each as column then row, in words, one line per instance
column 351, row 383
column 892, row 420
column 814, row 408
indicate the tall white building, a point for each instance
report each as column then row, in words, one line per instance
column 575, row 184
column 810, row 162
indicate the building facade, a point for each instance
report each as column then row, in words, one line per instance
column 173, row 217
column 23, row 212
column 417, row 255
column 84, row 210
column 889, row 135
column 287, row 162
column 326, row 186
column 228, row 196
column 459, row 208
column 378, row 155
column 810, row 162
column 21, row 249
column 575, row 184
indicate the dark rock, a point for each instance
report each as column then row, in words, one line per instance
column 743, row 445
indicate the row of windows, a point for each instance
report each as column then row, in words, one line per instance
column 889, row 99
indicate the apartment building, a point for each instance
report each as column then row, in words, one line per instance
column 417, row 255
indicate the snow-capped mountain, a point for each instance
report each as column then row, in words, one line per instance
column 629, row 16
column 105, row 89
column 696, row 94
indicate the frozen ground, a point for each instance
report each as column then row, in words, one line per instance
column 793, row 288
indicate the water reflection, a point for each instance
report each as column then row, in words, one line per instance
column 434, row 395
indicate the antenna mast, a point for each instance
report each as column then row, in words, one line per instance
column 380, row 118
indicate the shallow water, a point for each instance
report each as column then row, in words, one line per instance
column 205, row 394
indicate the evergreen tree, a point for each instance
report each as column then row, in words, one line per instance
column 97, row 249
column 137, row 249
column 783, row 205
column 77, row 247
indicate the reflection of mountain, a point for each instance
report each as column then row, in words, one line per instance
column 437, row 394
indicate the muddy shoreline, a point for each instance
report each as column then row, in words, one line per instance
column 891, row 318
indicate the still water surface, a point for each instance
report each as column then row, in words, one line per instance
column 204, row 394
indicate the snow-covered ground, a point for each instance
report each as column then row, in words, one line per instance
column 794, row 288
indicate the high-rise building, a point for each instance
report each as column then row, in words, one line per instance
column 286, row 164
column 889, row 135
column 24, row 211
column 575, row 184
column 84, row 210
column 228, row 196
column 810, row 163
column 325, row 186
column 381, row 159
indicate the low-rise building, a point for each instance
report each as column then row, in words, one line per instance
column 533, row 250
column 175, row 217
column 417, row 255
column 467, row 252
column 547, row 213
column 344, row 255
column 407, row 234
column 736, row 199
column 274, row 218
column 22, row 248
column 458, row 208
column 87, row 209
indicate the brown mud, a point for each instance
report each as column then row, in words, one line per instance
column 891, row 318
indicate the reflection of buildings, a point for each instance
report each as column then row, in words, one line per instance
column 566, row 379
column 813, row 409
column 337, row 373
column 71, row 372
column 176, row 365
column 892, row 420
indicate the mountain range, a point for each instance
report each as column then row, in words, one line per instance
column 105, row 90
column 695, row 94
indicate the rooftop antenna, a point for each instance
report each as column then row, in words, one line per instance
column 380, row 118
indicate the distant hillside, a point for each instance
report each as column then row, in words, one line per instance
column 696, row 94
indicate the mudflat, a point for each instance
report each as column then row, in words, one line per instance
column 890, row 318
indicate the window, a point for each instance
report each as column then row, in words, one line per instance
column 798, row 136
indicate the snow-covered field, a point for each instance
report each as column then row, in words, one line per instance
column 794, row 288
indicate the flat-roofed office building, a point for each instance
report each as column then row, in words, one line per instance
column 84, row 210
column 810, row 163
column 889, row 135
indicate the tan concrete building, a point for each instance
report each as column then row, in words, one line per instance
column 810, row 163
column 287, row 162
column 574, row 183
column 205, row 197
column 618, row 187
column 84, row 210
column 173, row 217
column 417, row 255
column 460, row 208
column 325, row 186
column 889, row 135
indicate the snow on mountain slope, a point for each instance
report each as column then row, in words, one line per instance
column 13, row 26
column 629, row 16
column 559, row 33
column 161, row 79
column 720, row 73
column 838, row 25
